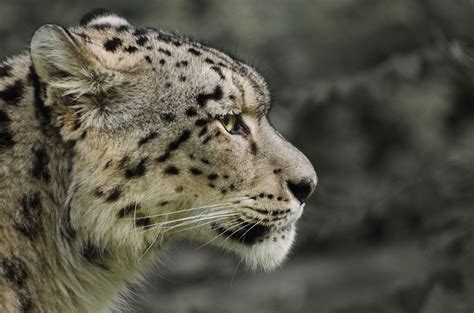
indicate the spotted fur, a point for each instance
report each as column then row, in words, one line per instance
column 112, row 145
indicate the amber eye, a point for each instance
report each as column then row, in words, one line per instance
column 234, row 124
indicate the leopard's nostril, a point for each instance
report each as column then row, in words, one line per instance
column 303, row 189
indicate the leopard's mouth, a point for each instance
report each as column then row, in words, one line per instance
column 250, row 233
column 246, row 232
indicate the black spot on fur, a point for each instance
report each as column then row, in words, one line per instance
column 182, row 78
column 180, row 140
column 182, row 64
column 167, row 117
column 142, row 40
column 14, row 271
column 123, row 212
column 194, row 51
column 112, row 44
column 207, row 139
column 123, row 28
column 131, row 49
column 165, row 51
column 6, row 136
column 42, row 112
column 92, row 15
column 213, row 176
column 205, row 161
column 209, row 61
column 163, row 203
column 40, row 169
column 191, row 112
column 216, row 95
column 165, row 156
column 5, row 70
column 29, row 220
column 148, row 59
column 171, row 170
column 168, row 38
column 167, row 85
column 13, row 93
column 162, row 62
column 94, row 255
column 124, row 161
column 195, row 171
column 253, row 148
column 201, row 122
column 114, row 195
column 218, row 71
column 141, row 221
column 137, row 170
column 152, row 135
column 202, row 132
column 102, row 26
column 140, row 31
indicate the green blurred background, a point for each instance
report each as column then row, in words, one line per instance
column 379, row 94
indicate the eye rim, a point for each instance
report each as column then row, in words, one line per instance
column 233, row 124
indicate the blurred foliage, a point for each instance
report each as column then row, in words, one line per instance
column 380, row 96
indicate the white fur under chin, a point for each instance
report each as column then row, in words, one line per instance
column 268, row 255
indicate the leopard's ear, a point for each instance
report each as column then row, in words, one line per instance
column 102, row 17
column 63, row 61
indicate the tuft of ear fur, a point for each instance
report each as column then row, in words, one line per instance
column 102, row 17
column 66, row 64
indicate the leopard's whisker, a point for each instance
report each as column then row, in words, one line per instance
column 186, row 210
column 189, row 218
column 199, row 225
column 193, row 219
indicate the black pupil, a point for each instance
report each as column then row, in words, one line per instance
column 225, row 119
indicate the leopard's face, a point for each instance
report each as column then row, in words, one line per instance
column 172, row 141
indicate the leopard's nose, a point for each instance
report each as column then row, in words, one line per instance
column 302, row 189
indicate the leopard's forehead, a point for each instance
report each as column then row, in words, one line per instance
column 136, row 49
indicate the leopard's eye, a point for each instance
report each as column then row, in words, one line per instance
column 234, row 124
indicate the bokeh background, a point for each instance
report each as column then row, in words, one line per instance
column 379, row 94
